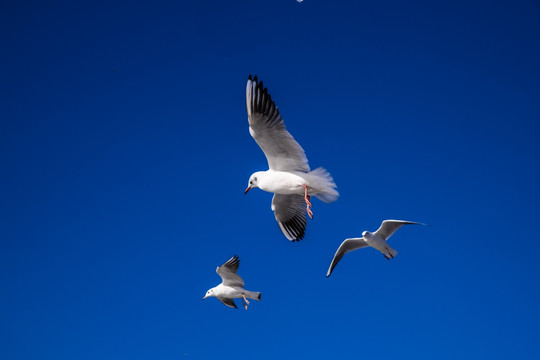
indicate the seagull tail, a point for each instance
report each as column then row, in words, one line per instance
column 390, row 253
column 325, row 185
column 254, row 295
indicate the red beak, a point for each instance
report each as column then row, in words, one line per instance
column 248, row 188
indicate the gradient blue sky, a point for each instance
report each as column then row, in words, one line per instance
column 125, row 150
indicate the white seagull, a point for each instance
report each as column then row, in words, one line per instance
column 289, row 176
column 232, row 285
column 376, row 240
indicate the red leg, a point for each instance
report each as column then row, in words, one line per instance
column 306, row 196
column 308, row 203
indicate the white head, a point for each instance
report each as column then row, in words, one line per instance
column 209, row 293
column 366, row 234
column 254, row 180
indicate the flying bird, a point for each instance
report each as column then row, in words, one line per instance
column 289, row 176
column 376, row 240
column 232, row 286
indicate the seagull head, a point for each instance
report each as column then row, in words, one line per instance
column 253, row 181
column 209, row 293
column 366, row 234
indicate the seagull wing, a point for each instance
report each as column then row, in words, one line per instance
column 267, row 128
column 388, row 227
column 228, row 301
column 346, row 246
column 290, row 212
column 228, row 273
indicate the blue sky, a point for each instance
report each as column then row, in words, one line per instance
column 125, row 151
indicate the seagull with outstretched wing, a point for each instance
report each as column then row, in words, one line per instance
column 232, row 285
column 376, row 240
column 289, row 177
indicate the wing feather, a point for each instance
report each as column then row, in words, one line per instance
column 389, row 227
column 346, row 246
column 228, row 273
column 227, row 301
column 290, row 213
column 266, row 126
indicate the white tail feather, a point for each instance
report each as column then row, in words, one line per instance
column 390, row 253
column 255, row 295
column 326, row 186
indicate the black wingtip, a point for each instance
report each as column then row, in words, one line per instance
column 232, row 261
column 253, row 78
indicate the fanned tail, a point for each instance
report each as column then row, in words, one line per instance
column 325, row 185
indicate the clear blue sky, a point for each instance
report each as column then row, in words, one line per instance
column 125, row 151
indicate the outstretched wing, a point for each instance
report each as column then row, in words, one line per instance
column 228, row 273
column 267, row 128
column 290, row 212
column 389, row 227
column 346, row 246
column 228, row 301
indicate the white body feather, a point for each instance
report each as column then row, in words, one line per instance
column 318, row 181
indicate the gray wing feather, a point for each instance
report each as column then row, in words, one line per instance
column 268, row 129
column 228, row 273
column 389, row 227
column 290, row 213
column 228, row 302
column 346, row 246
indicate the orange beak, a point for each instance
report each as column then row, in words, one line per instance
column 248, row 188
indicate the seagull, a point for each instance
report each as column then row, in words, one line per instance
column 289, row 176
column 376, row 240
column 232, row 285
